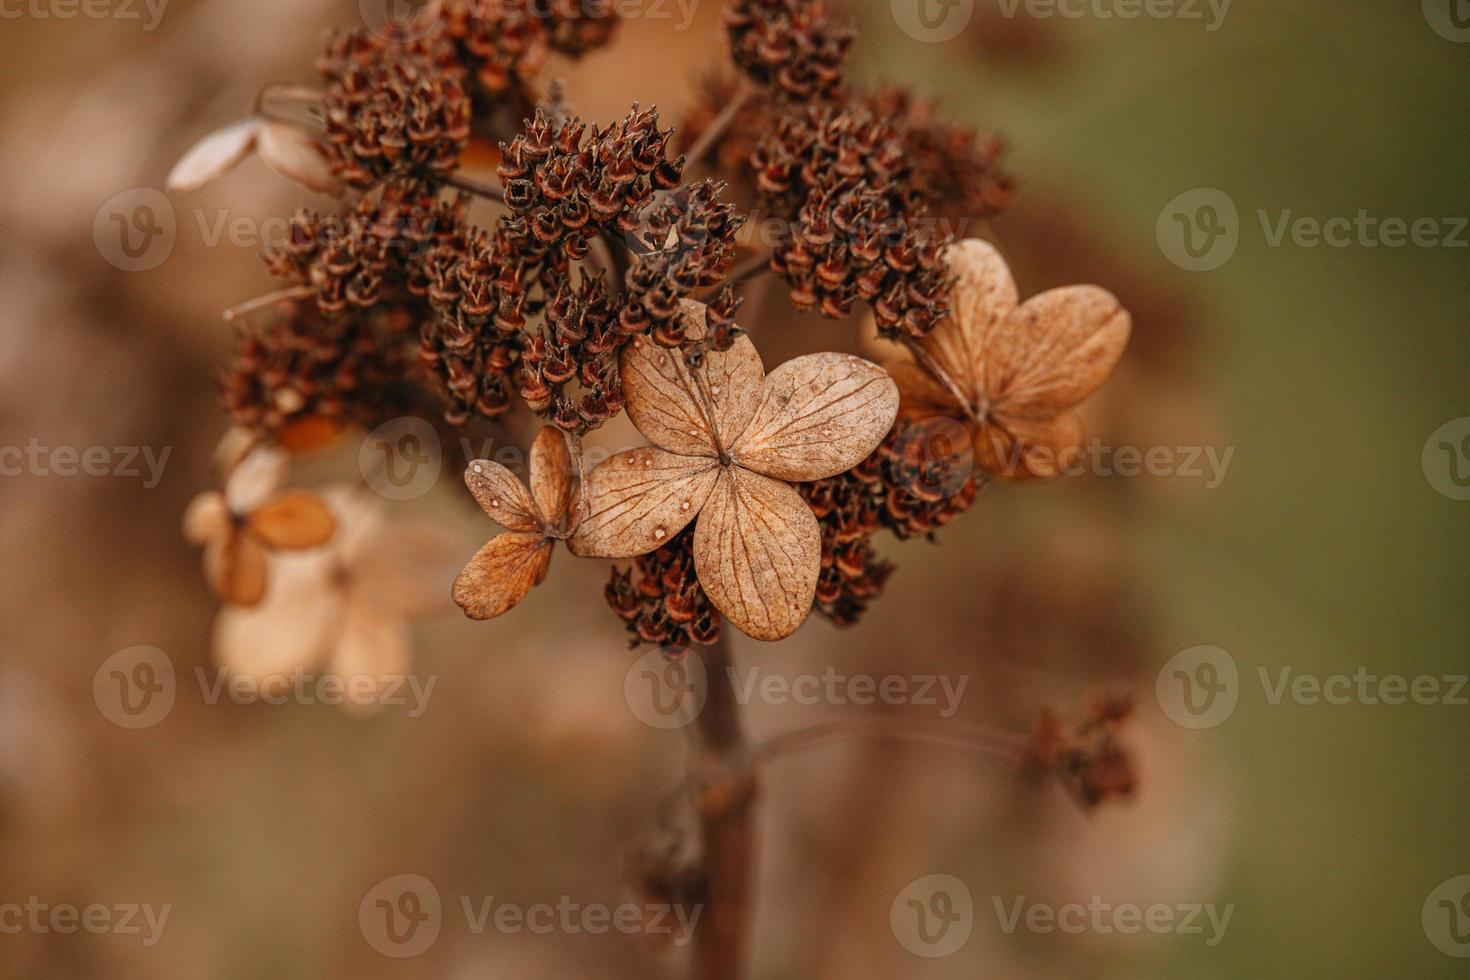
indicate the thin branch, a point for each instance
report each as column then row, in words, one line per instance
column 972, row 738
column 475, row 187
column 269, row 299
column 717, row 127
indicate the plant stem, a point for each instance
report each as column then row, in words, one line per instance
column 475, row 187
column 719, row 124
column 725, row 799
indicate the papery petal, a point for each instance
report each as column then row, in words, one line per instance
column 214, row 155
column 1055, row 350
column 1029, row 449
column 296, row 155
column 553, row 476
column 235, row 568
column 501, row 574
column 370, row 643
column 502, row 496
column 920, row 393
column 254, row 478
column 289, row 630
column 983, row 295
column 667, row 400
column 293, row 520
column 819, row 415
column 206, row 517
column 639, row 500
column 757, row 552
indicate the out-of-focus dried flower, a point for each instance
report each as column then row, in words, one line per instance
column 215, row 155
column 727, row 439
column 1085, row 753
column 507, row 568
column 665, row 605
column 841, row 177
column 1013, row 372
column 287, row 149
column 345, row 609
column 790, row 46
column 239, row 525
column 392, row 109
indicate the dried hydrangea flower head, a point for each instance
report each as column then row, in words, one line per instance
column 513, row 563
column 1013, row 372
column 792, row 47
column 250, row 517
column 728, row 441
column 345, row 609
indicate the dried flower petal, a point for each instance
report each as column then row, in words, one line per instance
column 501, row 574
column 296, row 155
column 235, row 568
column 214, row 155
column 640, row 500
column 502, row 496
column 294, row 520
column 553, row 478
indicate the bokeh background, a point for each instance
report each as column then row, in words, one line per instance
column 1326, row 548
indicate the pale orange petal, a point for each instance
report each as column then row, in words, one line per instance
column 757, row 551
column 295, row 154
column 1029, row 449
column 502, row 496
column 501, row 574
column 206, row 517
column 819, row 415
column 1055, row 350
column 553, row 476
column 672, row 404
column 983, row 295
column 293, row 520
column 235, row 568
column 639, row 500
column 214, row 155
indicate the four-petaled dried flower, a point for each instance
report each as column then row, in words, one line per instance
column 345, row 609
column 239, row 525
column 287, row 149
column 513, row 563
column 1014, row 372
column 728, row 442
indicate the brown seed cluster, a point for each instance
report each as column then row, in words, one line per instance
column 841, row 177
column 1085, row 753
column 906, row 487
column 665, row 605
column 791, row 47
column 302, row 367
column 392, row 109
column 577, row 346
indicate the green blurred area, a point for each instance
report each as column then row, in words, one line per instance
column 1326, row 549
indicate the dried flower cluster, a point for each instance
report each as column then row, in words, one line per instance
column 793, row 47
column 1085, row 753
column 665, row 605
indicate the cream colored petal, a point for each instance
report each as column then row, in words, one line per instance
column 1029, row 449
column 639, row 500
column 984, row 294
column 501, row 574
column 206, row 517
column 235, row 568
column 408, row 568
column 254, row 478
column 502, row 496
column 293, row 520
column 370, row 642
column 1055, row 350
column 820, row 415
column 214, row 155
column 291, row 629
column 757, row 551
column 553, row 476
column 671, row 404
column 295, row 154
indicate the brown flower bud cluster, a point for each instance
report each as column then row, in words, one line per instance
column 791, row 47
column 841, row 176
column 354, row 260
column 505, row 43
column 1086, row 753
column 685, row 244
column 474, row 340
column 392, row 109
column 578, row 346
column 899, row 487
column 956, row 169
column 304, row 368
column 665, row 605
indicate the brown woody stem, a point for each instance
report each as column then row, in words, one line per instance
column 719, row 124
column 725, row 795
column 475, row 187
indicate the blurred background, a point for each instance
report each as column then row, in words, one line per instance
column 1327, row 540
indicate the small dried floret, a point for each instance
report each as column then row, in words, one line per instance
column 1085, row 753
column 665, row 605
column 791, row 46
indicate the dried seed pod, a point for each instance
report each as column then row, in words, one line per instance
column 792, row 47
column 665, row 605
